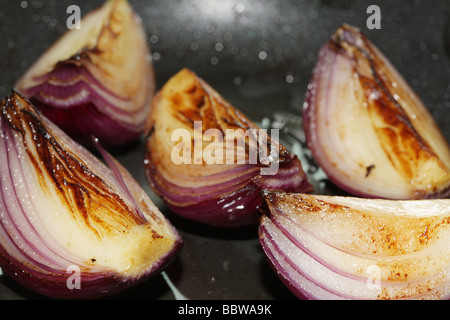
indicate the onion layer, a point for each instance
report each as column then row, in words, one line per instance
column 208, row 161
column 97, row 80
column 366, row 127
column 67, row 219
column 325, row 247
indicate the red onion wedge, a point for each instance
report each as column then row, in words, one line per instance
column 70, row 226
column 333, row 247
column 208, row 161
column 367, row 129
column 97, row 80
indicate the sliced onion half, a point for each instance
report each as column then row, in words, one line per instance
column 70, row 226
column 198, row 174
column 96, row 80
column 332, row 247
column 367, row 129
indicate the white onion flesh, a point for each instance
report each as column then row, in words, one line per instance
column 330, row 247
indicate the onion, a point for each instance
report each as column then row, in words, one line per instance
column 334, row 247
column 208, row 161
column 367, row 129
column 71, row 227
column 97, row 80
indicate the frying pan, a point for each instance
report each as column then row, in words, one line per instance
column 259, row 55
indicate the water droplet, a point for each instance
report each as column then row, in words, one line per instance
column 154, row 38
column 286, row 29
column 52, row 24
column 24, row 4
column 210, row 28
column 226, row 265
column 265, row 123
column 214, row 60
column 239, row 8
column 218, row 46
column 289, row 78
column 194, row 46
column 262, row 55
column 156, row 56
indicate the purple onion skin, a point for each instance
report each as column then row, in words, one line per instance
column 298, row 293
column 78, row 121
column 238, row 207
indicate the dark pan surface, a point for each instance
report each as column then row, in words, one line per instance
column 259, row 55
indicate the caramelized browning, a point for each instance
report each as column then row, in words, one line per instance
column 404, row 146
column 383, row 232
column 192, row 99
column 86, row 195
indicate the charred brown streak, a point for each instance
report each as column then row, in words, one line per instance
column 399, row 113
column 194, row 105
column 369, row 169
column 240, row 121
column 395, row 117
column 398, row 130
column 442, row 194
column 9, row 111
column 197, row 95
column 185, row 118
column 183, row 110
column 78, row 186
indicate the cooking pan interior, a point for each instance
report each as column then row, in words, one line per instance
column 259, row 55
